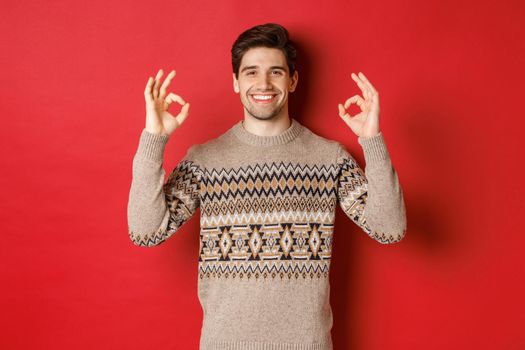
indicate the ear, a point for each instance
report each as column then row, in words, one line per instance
column 235, row 84
column 295, row 80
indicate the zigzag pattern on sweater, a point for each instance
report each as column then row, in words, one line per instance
column 181, row 191
column 271, row 219
column 269, row 180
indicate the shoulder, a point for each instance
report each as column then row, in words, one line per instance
column 200, row 152
column 334, row 149
column 328, row 146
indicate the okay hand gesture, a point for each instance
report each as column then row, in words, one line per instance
column 366, row 123
column 158, row 120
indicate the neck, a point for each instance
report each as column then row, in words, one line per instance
column 268, row 127
column 288, row 132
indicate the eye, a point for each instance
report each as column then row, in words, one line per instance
column 277, row 72
column 250, row 73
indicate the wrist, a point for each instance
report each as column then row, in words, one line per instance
column 369, row 135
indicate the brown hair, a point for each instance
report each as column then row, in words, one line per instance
column 270, row 35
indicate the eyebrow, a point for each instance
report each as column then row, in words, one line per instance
column 272, row 67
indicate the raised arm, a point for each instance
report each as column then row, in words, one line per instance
column 373, row 201
column 156, row 210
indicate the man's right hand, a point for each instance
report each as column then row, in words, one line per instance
column 158, row 120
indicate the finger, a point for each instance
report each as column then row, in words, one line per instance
column 374, row 99
column 166, row 83
column 147, row 90
column 364, row 88
column 156, row 84
column 183, row 113
column 342, row 112
column 355, row 99
column 175, row 98
column 344, row 115
column 367, row 82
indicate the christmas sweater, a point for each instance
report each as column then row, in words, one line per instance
column 267, row 211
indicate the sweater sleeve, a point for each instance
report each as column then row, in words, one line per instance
column 157, row 209
column 374, row 201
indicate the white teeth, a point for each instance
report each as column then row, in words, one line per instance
column 262, row 97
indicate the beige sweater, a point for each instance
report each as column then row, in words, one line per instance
column 267, row 212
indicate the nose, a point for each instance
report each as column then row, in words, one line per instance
column 264, row 82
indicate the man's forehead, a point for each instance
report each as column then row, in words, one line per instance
column 263, row 57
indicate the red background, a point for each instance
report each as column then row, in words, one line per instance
column 449, row 75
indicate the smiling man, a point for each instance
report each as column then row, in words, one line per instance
column 267, row 190
column 264, row 83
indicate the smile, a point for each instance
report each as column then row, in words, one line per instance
column 263, row 98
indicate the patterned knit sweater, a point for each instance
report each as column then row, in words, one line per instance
column 267, row 211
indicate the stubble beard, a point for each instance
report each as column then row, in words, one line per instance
column 252, row 110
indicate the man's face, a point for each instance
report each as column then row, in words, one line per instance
column 264, row 83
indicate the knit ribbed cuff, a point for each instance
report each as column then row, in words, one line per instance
column 374, row 148
column 151, row 146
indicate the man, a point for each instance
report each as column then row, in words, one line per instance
column 267, row 189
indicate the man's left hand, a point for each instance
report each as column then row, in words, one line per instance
column 366, row 123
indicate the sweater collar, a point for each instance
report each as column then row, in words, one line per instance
column 286, row 136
